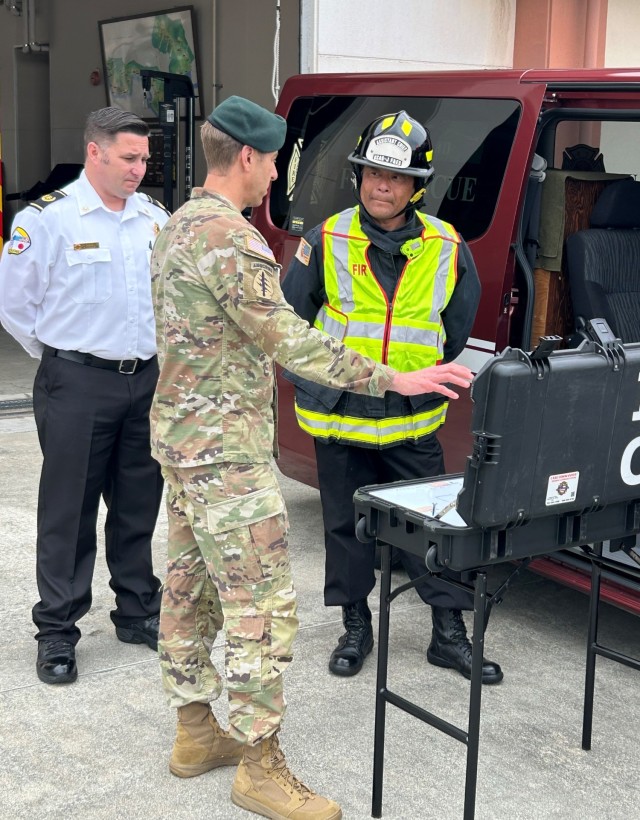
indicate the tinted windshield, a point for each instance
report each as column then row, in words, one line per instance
column 471, row 138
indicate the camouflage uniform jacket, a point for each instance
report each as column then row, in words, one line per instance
column 221, row 322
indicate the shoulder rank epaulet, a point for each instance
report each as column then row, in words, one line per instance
column 157, row 203
column 47, row 199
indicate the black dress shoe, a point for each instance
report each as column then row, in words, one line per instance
column 451, row 648
column 141, row 632
column 56, row 661
column 356, row 643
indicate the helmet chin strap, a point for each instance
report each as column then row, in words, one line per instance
column 417, row 198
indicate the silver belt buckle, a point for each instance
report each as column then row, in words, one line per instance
column 124, row 362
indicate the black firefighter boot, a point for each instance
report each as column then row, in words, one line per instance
column 451, row 648
column 356, row 643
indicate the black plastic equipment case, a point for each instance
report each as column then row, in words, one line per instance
column 555, row 462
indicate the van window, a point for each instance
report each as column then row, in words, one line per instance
column 614, row 141
column 472, row 139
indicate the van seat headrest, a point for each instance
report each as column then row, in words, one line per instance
column 618, row 206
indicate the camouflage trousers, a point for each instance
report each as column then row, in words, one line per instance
column 228, row 567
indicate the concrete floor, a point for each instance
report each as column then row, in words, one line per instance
column 98, row 749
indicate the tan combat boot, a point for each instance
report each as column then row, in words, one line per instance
column 265, row 786
column 201, row 745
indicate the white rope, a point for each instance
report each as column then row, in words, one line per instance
column 275, row 79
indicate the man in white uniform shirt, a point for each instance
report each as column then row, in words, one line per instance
column 75, row 292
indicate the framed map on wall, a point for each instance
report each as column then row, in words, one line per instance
column 163, row 41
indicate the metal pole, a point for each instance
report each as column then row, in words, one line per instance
column 178, row 167
column 188, row 149
column 167, row 117
column 275, row 81
column 475, row 695
column 381, row 684
column 592, row 640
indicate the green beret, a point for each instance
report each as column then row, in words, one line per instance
column 250, row 124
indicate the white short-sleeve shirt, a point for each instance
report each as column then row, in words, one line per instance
column 75, row 275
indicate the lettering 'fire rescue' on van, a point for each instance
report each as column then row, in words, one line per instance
column 521, row 161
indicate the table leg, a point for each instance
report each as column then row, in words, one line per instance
column 475, row 695
column 381, row 684
column 592, row 640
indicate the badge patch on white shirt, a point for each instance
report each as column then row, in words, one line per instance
column 20, row 241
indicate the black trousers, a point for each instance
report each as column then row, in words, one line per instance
column 93, row 427
column 349, row 567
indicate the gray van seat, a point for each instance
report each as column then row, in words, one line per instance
column 603, row 262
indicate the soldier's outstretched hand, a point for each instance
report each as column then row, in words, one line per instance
column 433, row 380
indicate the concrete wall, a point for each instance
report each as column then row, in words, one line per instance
column 375, row 35
column 45, row 98
column 422, row 35
column 72, row 95
column 623, row 35
column 244, row 46
column 24, row 76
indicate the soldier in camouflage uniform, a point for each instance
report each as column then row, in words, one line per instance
column 222, row 323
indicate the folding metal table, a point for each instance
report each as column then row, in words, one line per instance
column 555, row 464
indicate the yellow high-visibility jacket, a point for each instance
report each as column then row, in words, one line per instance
column 406, row 333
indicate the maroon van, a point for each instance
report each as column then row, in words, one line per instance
column 521, row 159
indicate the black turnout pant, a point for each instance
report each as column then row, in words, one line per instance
column 93, row 427
column 349, row 567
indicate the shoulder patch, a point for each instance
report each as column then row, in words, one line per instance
column 47, row 199
column 262, row 285
column 157, row 203
column 303, row 254
column 257, row 266
column 20, row 241
column 254, row 245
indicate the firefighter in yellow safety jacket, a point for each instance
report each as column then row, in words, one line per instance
column 400, row 286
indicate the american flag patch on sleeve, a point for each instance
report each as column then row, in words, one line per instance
column 303, row 254
column 255, row 245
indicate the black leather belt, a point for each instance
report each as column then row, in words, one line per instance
column 125, row 366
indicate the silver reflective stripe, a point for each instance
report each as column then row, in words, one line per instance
column 442, row 272
column 341, row 257
column 372, row 330
column 439, row 225
column 332, row 327
column 441, row 279
column 343, row 227
column 415, row 336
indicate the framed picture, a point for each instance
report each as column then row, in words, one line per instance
column 163, row 42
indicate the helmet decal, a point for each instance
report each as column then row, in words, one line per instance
column 391, row 151
column 395, row 142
